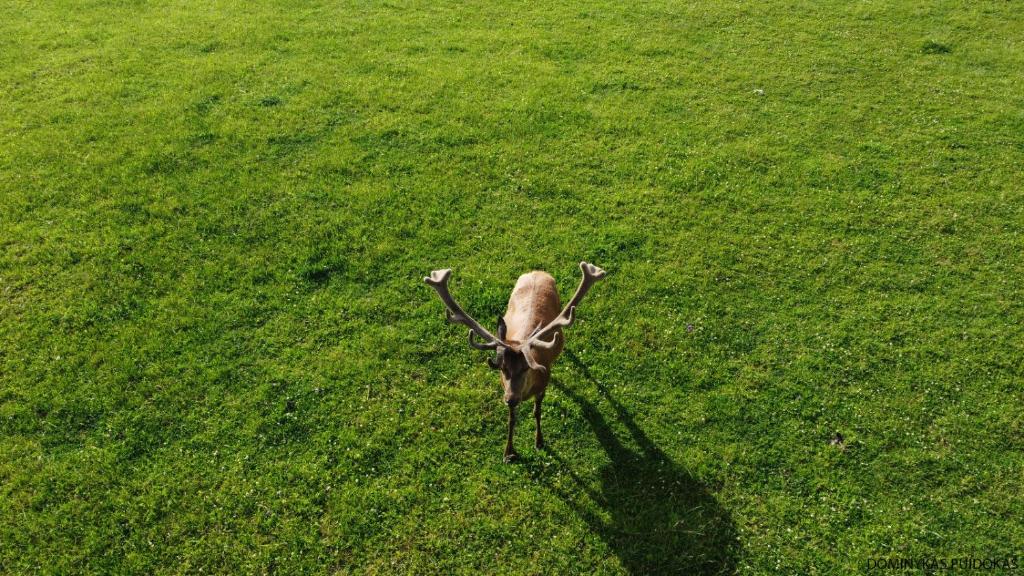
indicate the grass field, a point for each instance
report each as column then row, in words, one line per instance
column 217, row 354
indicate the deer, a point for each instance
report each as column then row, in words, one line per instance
column 529, row 338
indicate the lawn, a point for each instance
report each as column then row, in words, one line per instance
column 217, row 354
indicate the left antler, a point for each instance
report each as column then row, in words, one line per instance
column 438, row 280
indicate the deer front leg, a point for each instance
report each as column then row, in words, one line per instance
column 539, row 438
column 510, row 452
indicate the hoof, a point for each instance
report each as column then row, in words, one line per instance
column 539, row 444
column 510, row 458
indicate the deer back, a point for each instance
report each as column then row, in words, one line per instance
column 534, row 302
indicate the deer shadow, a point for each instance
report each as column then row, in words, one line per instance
column 654, row 515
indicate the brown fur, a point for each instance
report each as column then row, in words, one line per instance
column 534, row 302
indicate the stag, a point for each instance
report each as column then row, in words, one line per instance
column 529, row 337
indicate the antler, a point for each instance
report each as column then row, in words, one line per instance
column 538, row 343
column 438, row 280
column 591, row 274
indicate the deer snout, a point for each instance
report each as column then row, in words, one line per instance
column 512, row 400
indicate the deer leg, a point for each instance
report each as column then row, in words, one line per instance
column 539, row 438
column 510, row 452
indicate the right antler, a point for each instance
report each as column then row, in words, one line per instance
column 591, row 274
column 438, row 280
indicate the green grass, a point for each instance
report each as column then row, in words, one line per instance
column 217, row 353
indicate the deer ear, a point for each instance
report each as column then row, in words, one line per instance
column 502, row 328
column 531, row 361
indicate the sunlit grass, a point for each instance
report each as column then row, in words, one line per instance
column 217, row 354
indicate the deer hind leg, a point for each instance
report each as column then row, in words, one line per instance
column 539, row 438
column 510, row 452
